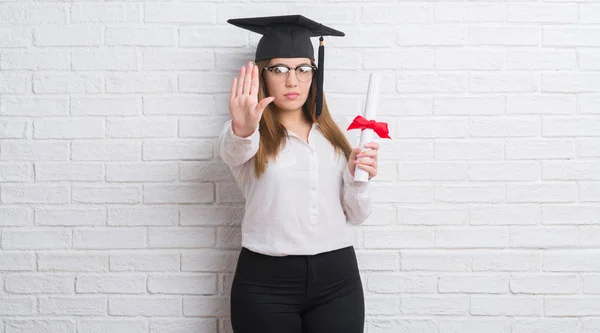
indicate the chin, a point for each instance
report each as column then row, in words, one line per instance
column 290, row 105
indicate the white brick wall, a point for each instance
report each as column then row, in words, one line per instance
column 117, row 215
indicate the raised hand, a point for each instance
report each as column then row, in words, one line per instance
column 244, row 107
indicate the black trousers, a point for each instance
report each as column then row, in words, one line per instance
column 321, row 293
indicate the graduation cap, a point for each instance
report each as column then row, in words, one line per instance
column 288, row 36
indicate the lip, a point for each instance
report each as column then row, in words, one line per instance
column 291, row 96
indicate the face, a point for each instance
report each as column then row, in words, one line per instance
column 289, row 89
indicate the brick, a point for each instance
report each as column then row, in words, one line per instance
column 68, row 35
column 180, row 13
column 433, row 215
column 502, row 305
column 15, row 36
column 211, row 36
column 533, row 149
column 35, row 193
column 109, row 238
column 504, row 171
column 105, row 13
column 205, row 127
column 571, row 36
column 106, row 194
column 432, row 171
column 538, row 60
column 504, row 214
column 472, row 105
column 441, row 35
column 545, row 284
column 571, row 306
column 435, row 305
column 70, row 216
column 572, row 126
column 70, row 305
column 566, row 214
column 106, row 150
column 146, row 82
column 209, row 261
column 470, row 12
column 108, row 59
column 589, row 191
column 589, row 13
column 113, row 325
column 571, row 170
column 209, row 305
column 68, row 172
column 34, row 284
column 189, row 237
column 463, row 59
column 42, row 59
column 204, row 171
column 414, row 237
column 543, row 237
column 542, row 13
column 571, row 260
column 474, row 149
column 504, row 36
column 110, row 284
column 589, row 104
column 141, row 172
column 164, row 194
column 15, row 83
column 139, row 216
column 16, row 261
column 503, row 261
column 34, row 106
column 433, row 260
column 72, row 262
column 16, row 172
column 177, row 59
column 14, row 129
column 180, row 149
column 15, row 216
column 542, row 192
column 542, row 104
column 39, row 325
column 141, row 36
column 196, row 105
column 33, row 14
column 68, row 128
column 210, row 215
column 194, row 284
column 144, row 261
column 473, row 284
column 144, row 306
column 386, row 283
column 408, row 193
column 208, row 325
column 16, row 305
column 431, row 83
column 36, row 239
column 67, row 83
column 502, row 127
column 472, row 237
column 397, row 14
column 503, row 82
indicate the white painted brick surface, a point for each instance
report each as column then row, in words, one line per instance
column 118, row 215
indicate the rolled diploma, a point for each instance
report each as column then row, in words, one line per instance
column 366, row 135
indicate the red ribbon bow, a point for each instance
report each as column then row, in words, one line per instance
column 378, row 127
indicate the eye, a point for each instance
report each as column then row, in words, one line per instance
column 305, row 69
column 280, row 69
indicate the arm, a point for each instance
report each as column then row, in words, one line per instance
column 356, row 198
column 236, row 150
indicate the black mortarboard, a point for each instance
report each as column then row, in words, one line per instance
column 288, row 36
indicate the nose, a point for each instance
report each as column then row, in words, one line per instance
column 292, row 80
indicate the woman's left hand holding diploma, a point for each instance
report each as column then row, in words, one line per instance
column 364, row 159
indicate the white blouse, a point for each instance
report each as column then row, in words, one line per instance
column 304, row 202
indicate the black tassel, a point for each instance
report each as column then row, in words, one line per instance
column 320, row 72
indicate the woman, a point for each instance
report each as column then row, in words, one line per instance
column 297, row 271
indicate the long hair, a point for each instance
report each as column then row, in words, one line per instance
column 273, row 134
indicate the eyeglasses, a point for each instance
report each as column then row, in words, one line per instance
column 281, row 73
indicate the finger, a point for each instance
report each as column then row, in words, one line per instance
column 371, row 170
column 254, row 82
column 372, row 145
column 368, row 153
column 367, row 161
column 248, row 79
column 233, row 89
column 240, row 82
column 262, row 105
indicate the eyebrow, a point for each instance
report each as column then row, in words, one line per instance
column 282, row 64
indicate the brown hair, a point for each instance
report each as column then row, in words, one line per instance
column 273, row 134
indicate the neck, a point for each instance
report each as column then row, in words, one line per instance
column 292, row 119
